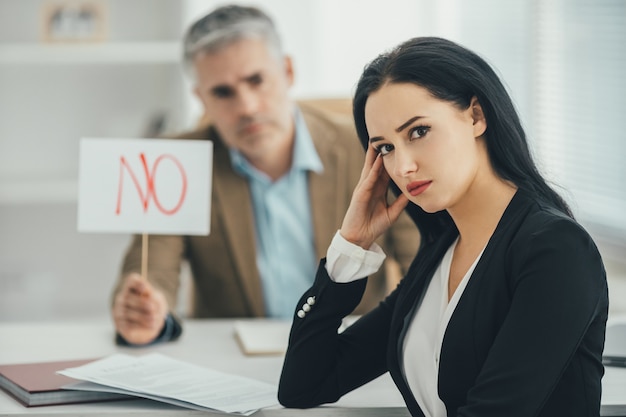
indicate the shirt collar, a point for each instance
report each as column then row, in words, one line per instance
column 305, row 156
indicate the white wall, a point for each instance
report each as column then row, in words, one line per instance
column 48, row 270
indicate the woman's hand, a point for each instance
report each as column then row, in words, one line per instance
column 369, row 214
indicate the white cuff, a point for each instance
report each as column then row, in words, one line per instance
column 347, row 262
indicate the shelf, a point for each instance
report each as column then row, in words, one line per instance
column 91, row 53
column 38, row 192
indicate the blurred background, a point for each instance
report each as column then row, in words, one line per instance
column 111, row 68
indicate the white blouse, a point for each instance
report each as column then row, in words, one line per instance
column 424, row 337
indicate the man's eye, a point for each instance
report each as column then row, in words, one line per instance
column 256, row 79
column 222, row 92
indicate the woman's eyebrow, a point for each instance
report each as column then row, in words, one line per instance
column 398, row 129
column 407, row 123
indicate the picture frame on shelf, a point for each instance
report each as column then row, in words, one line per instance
column 74, row 21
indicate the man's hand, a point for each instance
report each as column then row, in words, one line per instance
column 139, row 310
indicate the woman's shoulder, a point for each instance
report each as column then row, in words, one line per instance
column 551, row 250
column 544, row 219
column 545, row 232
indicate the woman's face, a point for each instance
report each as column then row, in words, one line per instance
column 429, row 146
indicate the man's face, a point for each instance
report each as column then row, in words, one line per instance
column 244, row 88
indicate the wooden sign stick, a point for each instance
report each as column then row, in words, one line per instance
column 144, row 256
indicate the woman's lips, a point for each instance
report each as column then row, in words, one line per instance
column 417, row 187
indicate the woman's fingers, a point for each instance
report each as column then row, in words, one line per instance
column 395, row 209
column 370, row 213
column 372, row 170
column 380, row 175
column 370, row 158
column 377, row 181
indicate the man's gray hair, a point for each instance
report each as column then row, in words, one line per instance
column 228, row 24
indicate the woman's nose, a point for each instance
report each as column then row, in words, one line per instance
column 404, row 163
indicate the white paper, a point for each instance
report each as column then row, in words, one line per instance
column 157, row 376
column 92, row 386
column 145, row 186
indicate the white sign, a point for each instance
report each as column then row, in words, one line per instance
column 158, row 186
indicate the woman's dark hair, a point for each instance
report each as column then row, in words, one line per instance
column 454, row 74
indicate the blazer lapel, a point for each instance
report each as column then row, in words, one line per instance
column 327, row 189
column 232, row 194
column 417, row 280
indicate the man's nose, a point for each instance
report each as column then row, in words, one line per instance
column 248, row 102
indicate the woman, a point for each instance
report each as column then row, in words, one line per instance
column 503, row 311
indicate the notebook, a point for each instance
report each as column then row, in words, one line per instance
column 257, row 337
column 615, row 345
column 36, row 384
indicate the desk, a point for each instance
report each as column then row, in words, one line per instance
column 207, row 343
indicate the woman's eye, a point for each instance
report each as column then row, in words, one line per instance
column 384, row 149
column 419, row 131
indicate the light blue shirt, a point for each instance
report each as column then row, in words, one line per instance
column 285, row 250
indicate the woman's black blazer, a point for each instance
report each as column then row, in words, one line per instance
column 525, row 339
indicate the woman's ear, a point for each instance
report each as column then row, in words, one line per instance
column 480, row 123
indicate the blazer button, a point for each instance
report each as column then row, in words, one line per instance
column 301, row 314
column 310, row 301
column 306, row 308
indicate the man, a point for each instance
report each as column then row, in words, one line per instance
column 283, row 176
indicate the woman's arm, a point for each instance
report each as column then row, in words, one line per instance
column 321, row 365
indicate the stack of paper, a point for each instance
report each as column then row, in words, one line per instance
column 161, row 378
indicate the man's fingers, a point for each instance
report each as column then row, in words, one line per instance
column 138, row 335
column 140, row 304
column 136, row 284
column 139, row 309
column 139, row 318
